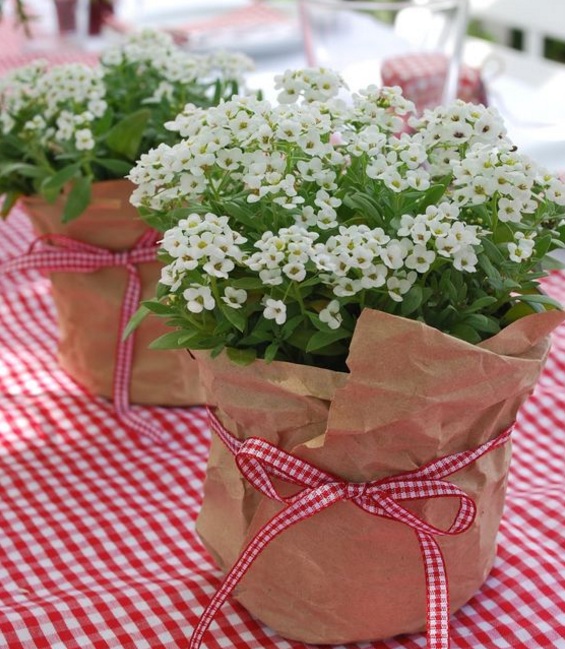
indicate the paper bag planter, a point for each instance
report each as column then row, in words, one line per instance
column 89, row 304
column 413, row 395
column 364, row 310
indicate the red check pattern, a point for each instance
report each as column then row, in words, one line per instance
column 59, row 253
column 97, row 541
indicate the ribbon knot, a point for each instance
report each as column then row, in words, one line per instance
column 354, row 490
column 60, row 253
column 259, row 461
column 123, row 258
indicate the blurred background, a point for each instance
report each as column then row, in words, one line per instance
column 507, row 53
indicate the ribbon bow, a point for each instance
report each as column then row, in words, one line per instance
column 70, row 255
column 259, row 461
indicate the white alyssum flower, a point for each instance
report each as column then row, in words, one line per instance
column 521, row 249
column 275, row 310
column 199, row 298
column 234, row 298
column 420, row 259
column 331, row 316
column 399, row 285
column 84, row 140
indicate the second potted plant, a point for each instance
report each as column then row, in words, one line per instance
column 69, row 135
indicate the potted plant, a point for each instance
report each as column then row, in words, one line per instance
column 363, row 302
column 68, row 136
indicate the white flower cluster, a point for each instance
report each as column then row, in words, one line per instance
column 334, row 195
column 66, row 100
column 243, row 140
column 156, row 53
column 58, row 107
column 207, row 243
column 315, row 84
column 356, row 258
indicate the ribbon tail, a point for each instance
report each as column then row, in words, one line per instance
column 437, row 592
column 305, row 507
column 123, row 364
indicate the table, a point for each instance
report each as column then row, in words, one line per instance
column 97, row 542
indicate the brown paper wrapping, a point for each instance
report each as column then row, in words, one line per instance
column 88, row 304
column 413, row 394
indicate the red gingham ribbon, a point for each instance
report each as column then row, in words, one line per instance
column 258, row 461
column 70, row 255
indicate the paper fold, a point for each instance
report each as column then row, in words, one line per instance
column 413, row 394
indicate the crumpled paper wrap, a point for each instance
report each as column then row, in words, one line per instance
column 88, row 304
column 413, row 394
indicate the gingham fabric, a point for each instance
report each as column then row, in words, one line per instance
column 238, row 22
column 17, row 50
column 421, row 77
column 97, row 541
column 16, row 58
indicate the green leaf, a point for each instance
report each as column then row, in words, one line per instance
column 157, row 307
column 173, row 340
column 315, row 320
column 481, row 303
column 236, row 317
column 125, row 137
column 431, row 196
column 10, row 199
column 543, row 245
column 451, row 285
column 482, row 322
column 241, row 356
column 323, row 338
column 519, row 310
column 27, row 170
column 135, row 320
column 494, row 276
column 51, row 187
column 248, row 283
column 291, row 325
column 412, row 300
column 162, row 290
column 117, row 167
column 465, row 332
column 363, row 204
column 536, row 299
column 78, row 199
column 493, row 252
column 241, row 213
column 217, row 92
column 102, row 124
column 271, row 352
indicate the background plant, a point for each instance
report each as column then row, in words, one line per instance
column 282, row 223
column 75, row 124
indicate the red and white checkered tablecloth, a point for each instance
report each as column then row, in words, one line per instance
column 97, row 541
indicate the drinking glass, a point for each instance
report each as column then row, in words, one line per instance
column 356, row 36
